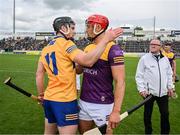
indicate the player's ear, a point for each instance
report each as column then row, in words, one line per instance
column 98, row 27
column 63, row 29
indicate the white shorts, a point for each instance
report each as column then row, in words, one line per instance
column 99, row 113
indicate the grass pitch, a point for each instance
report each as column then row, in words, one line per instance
column 21, row 115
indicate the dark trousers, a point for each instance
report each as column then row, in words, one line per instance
column 164, row 111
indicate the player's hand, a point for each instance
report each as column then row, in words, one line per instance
column 41, row 98
column 112, row 34
column 114, row 120
column 170, row 93
column 144, row 94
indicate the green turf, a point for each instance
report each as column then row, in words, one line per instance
column 21, row 115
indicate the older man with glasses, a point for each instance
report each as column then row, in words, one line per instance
column 154, row 76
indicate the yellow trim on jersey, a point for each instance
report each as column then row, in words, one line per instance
column 118, row 59
column 169, row 55
column 104, row 56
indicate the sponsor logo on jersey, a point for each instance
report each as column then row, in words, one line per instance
column 90, row 71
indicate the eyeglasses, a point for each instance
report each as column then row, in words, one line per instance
column 155, row 44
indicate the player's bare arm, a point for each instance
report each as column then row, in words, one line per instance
column 40, row 81
column 118, row 73
column 174, row 69
column 88, row 59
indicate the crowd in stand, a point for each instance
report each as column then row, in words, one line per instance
column 82, row 43
column 143, row 46
column 29, row 43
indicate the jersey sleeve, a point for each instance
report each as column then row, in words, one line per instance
column 71, row 50
column 115, row 56
column 86, row 49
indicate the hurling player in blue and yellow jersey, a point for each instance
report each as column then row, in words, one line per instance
column 100, row 101
column 58, row 61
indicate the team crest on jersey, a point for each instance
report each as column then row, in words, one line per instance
column 102, row 98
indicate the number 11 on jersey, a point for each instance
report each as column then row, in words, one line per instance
column 52, row 56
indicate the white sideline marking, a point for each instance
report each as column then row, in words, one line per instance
column 28, row 72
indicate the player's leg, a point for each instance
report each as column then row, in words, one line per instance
column 85, row 125
column 50, row 121
column 68, row 130
column 102, row 117
column 85, row 121
column 50, row 128
column 66, row 114
column 99, row 113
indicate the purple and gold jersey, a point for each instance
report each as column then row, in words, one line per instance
column 97, row 85
column 169, row 55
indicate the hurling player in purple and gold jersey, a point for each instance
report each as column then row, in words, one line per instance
column 58, row 60
column 100, row 101
column 167, row 51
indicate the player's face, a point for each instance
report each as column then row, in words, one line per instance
column 72, row 31
column 167, row 48
column 154, row 48
column 89, row 30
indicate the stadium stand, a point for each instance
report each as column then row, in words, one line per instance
column 31, row 44
column 27, row 43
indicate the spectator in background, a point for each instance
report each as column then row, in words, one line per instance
column 154, row 76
